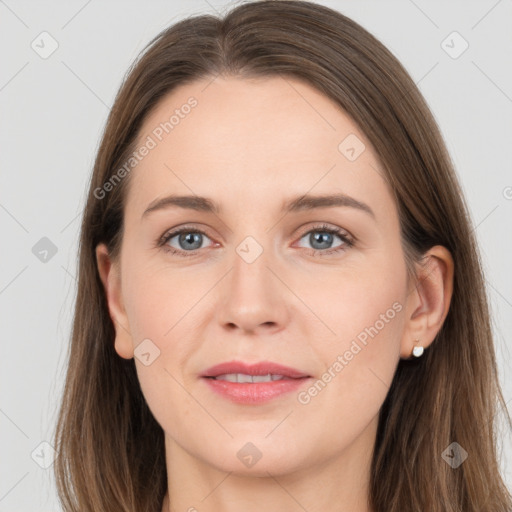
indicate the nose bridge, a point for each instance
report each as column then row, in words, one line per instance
column 251, row 276
column 251, row 293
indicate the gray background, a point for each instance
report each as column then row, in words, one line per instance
column 54, row 110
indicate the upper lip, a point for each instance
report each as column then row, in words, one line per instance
column 260, row 368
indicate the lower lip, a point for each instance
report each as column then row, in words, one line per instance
column 254, row 393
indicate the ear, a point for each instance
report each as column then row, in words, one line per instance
column 428, row 301
column 110, row 277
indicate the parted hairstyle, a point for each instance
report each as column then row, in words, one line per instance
column 110, row 449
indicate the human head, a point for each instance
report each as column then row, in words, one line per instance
column 274, row 40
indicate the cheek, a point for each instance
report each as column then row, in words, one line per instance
column 166, row 307
column 160, row 308
column 161, row 302
column 361, row 299
column 365, row 308
column 359, row 368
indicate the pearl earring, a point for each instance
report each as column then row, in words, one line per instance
column 418, row 350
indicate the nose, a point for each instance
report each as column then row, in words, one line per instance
column 253, row 299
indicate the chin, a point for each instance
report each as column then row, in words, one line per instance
column 259, row 458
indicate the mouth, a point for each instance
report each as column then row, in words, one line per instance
column 244, row 378
column 253, row 383
column 227, row 370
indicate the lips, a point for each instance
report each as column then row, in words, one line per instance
column 253, row 384
column 263, row 368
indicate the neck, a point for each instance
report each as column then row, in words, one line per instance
column 340, row 483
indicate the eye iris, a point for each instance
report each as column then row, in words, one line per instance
column 189, row 238
column 321, row 237
column 192, row 239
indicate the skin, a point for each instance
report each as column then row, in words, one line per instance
column 249, row 145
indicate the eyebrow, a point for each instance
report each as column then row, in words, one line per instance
column 300, row 203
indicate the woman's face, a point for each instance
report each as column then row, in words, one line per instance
column 262, row 281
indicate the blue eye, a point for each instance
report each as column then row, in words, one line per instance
column 323, row 237
column 190, row 240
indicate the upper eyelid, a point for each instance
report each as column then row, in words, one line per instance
column 322, row 225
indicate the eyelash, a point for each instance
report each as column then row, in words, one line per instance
column 348, row 242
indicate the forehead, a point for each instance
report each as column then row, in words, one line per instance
column 284, row 116
column 250, row 139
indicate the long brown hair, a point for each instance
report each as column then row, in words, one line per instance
column 110, row 447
